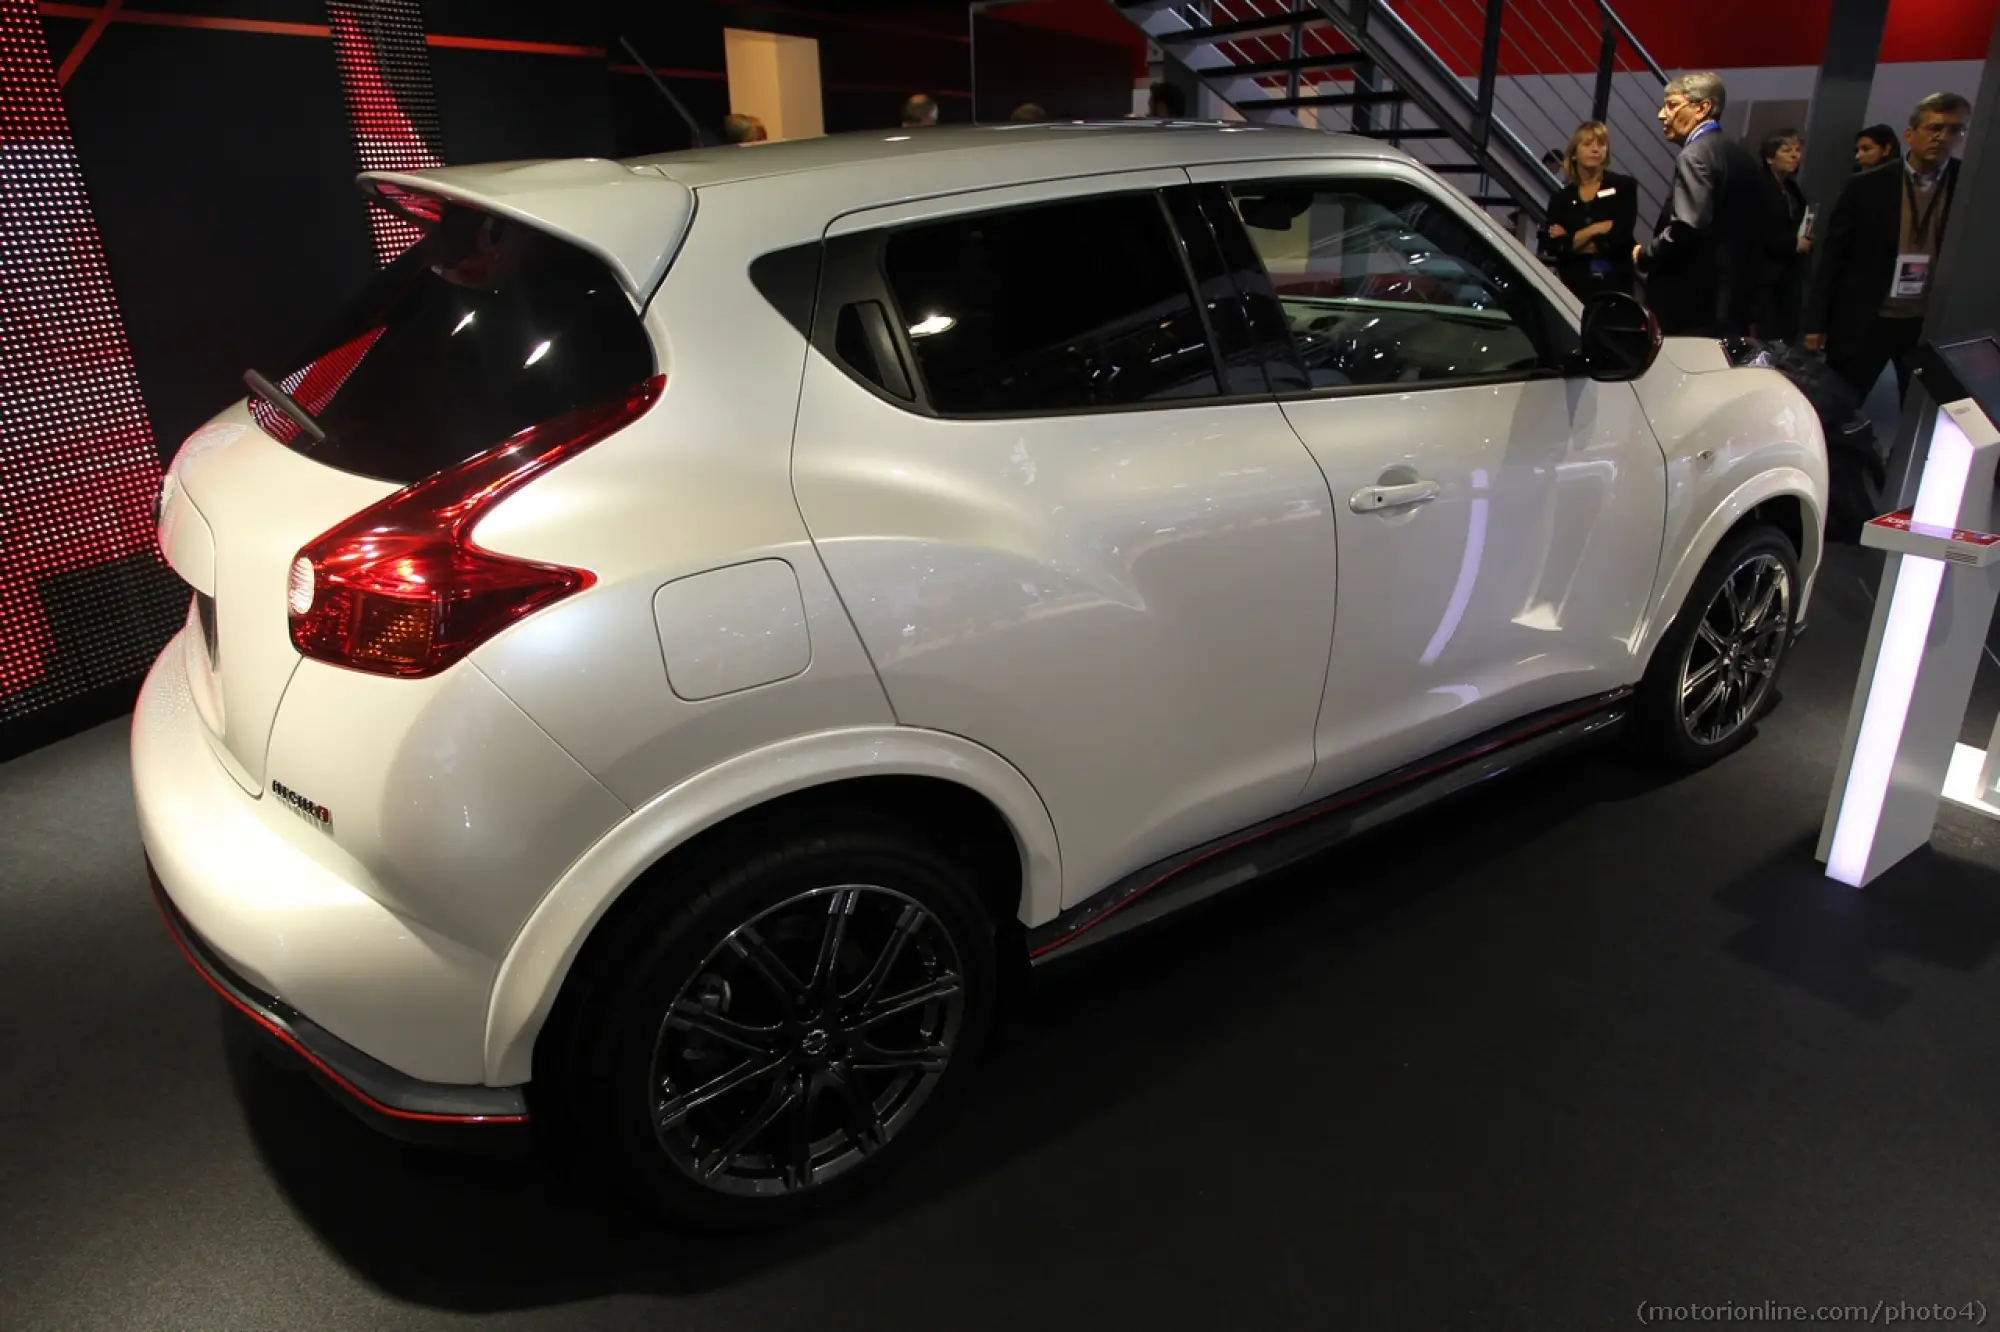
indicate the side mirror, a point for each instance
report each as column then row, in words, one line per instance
column 1620, row 337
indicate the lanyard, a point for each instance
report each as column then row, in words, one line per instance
column 1920, row 223
column 1703, row 128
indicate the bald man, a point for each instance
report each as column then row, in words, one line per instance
column 740, row 128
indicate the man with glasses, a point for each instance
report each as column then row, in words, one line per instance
column 1701, row 266
column 1871, row 286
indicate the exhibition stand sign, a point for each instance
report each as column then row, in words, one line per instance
column 1940, row 579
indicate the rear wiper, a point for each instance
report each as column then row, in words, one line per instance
column 277, row 397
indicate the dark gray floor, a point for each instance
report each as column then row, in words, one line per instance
column 1587, row 1041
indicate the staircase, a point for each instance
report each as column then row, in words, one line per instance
column 1477, row 90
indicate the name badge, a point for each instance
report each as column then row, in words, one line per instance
column 1606, row 194
column 1913, row 275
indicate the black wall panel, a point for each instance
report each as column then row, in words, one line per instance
column 1065, row 75
column 501, row 106
column 271, row 11
column 562, row 22
column 645, row 122
column 220, row 166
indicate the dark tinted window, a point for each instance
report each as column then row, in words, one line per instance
column 1076, row 304
column 1382, row 284
column 482, row 329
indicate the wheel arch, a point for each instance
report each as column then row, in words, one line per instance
column 929, row 776
column 1783, row 497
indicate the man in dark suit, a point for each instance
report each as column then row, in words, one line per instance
column 1701, row 266
column 1871, row 286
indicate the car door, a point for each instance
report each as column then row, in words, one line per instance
column 1067, row 523
column 1499, row 513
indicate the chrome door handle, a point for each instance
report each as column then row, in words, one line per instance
column 1374, row 499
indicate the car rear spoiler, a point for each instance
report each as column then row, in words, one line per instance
column 633, row 220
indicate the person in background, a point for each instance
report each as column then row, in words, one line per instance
column 920, row 111
column 1701, row 266
column 1874, row 146
column 1591, row 218
column 737, row 127
column 1027, row 113
column 1871, row 287
column 1166, row 102
column 1788, row 255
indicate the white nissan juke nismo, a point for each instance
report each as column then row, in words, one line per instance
column 697, row 622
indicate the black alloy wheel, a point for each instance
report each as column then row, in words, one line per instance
column 1716, row 671
column 1731, row 660
column 784, row 1016
column 806, row 1040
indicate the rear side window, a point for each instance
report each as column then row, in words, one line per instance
column 1054, row 307
column 484, row 328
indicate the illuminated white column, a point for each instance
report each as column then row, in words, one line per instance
column 1930, row 624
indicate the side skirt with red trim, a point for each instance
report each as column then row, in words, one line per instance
column 1227, row 862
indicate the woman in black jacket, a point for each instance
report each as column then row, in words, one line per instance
column 1589, row 232
column 1788, row 253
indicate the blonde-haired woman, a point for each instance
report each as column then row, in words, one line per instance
column 1591, row 217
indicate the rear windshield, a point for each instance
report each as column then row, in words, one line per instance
column 485, row 327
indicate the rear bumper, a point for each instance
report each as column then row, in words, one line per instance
column 386, row 1012
column 389, row 1101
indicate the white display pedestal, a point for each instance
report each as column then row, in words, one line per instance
column 1940, row 580
column 1964, row 783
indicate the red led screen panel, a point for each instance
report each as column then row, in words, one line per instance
column 385, row 72
column 85, row 600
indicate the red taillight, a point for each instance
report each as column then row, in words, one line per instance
column 399, row 589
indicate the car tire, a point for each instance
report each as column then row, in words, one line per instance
column 1715, row 672
column 724, row 980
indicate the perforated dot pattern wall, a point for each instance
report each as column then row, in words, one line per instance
column 85, row 600
column 385, row 72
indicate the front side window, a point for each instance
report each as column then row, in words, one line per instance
column 1381, row 284
column 1056, row 307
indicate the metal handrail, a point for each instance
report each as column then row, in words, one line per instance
column 1536, row 30
column 1572, row 76
column 1660, row 177
column 1610, row 16
column 1530, row 203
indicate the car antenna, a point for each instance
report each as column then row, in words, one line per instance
column 694, row 127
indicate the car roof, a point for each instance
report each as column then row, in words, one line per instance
column 1014, row 151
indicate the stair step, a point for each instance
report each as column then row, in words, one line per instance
column 1327, row 99
column 1243, row 29
column 1345, row 60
